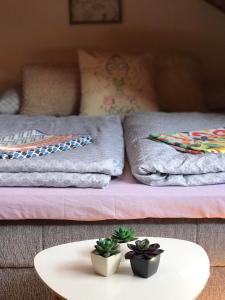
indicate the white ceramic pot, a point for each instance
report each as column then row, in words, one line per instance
column 123, row 249
column 105, row 266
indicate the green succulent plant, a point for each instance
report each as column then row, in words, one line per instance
column 143, row 249
column 106, row 247
column 124, row 234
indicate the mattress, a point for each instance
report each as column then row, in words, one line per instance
column 123, row 199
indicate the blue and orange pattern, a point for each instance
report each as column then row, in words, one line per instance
column 37, row 144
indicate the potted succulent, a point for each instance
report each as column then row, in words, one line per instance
column 144, row 257
column 123, row 235
column 106, row 257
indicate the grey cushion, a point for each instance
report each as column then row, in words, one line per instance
column 22, row 284
column 19, row 242
column 212, row 238
column 10, row 101
column 59, row 234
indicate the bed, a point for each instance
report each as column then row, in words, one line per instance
column 32, row 219
column 36, row 218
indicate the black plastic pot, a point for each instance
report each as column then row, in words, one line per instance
column 144, row 267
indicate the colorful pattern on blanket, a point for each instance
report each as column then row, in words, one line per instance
column 195, row 142
column 33, row 143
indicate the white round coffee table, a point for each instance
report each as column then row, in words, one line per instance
column 67, row 271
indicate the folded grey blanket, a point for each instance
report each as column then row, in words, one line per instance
column 158, row 164
column 88, row 166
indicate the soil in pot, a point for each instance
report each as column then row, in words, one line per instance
column 123, row 250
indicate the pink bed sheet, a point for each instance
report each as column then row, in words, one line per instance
column 124, row 198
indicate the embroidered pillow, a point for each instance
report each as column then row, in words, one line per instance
column 10, row 101
column 116, row 83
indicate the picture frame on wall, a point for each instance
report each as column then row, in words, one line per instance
column 95, row 11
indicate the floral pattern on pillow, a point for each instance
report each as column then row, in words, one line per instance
column 114, row 83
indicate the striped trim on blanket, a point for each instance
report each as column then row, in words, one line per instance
column 26, row 145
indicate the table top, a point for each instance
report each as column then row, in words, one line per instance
column 67, row 270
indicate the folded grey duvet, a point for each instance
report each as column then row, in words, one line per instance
column 158, row 164
column 92, row 165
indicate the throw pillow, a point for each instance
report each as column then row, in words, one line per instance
column 9, row 101
column 179, row 83
column 116, row 83
column 49, row 90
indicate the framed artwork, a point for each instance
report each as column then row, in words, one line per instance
column 95, row 11
column 220, row 4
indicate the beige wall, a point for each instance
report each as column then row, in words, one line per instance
column 35, row 31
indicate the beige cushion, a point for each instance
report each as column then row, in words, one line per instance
column 49, row 90
column 179, row 83
column 116, row 83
